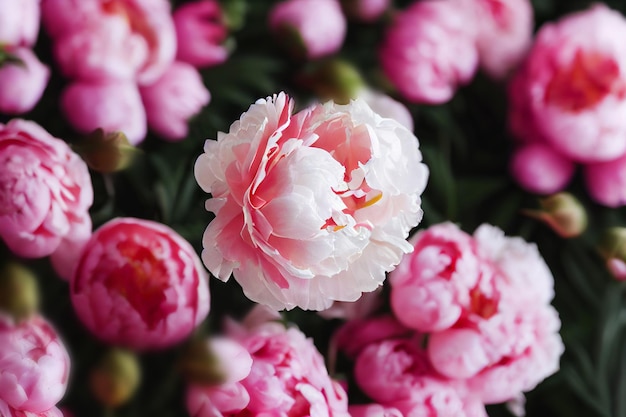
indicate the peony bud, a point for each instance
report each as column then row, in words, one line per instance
column 107, row 152
column 563, row 213
column 612, row 247
column 116, row 378
column 201, row 365
column 333, row 79
column 23, row 79
column 19, row 295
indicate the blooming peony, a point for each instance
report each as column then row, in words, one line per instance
column 34, row 368
column 201, row 32
column 571, row 91
column 112, row 106
column 101, row 39
column 319, row 26
column 22, row 85
column 45, row 190
column 139, row 284
column 174, row 98
column 430, row 50
column 19, row 22
column 310, row 208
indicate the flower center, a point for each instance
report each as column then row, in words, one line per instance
column 585, row 82
column 134, row 18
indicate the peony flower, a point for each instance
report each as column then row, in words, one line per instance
column 112, row 106
column 173, row 99
column 311, row 208
column 572, row 88
column 365, row 10
column 122, row 39
column 388, row 107
column 606, row 181
column 288, row 375
column 504, row 34
column 430, row 50
column 45, row 190
column 373, row 410
column 201, row 33
column 7, row 411
column 22, row 85
column 229, row 397
column 19, row 22
column 34, row 367
column 538, row 168
column 357, row 334
column 312, row 28
column 140, row 285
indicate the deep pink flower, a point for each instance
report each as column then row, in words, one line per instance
column 139, row 284
column 99, row 39
column 538, row 168
column 22, row 85
column 319, row 25
column 112, row 106
column 313, row 208
column 34, row 367
column 606, row 181
column 19, row 22
column 45, row 190
column 504, row 34
column 173, row 99
column 572, row 88
column 429, row 50
column 201, row 32
column 230, row 397
column 365, row 10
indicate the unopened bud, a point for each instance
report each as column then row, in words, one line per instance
column 200, row 365
column 116, row 378
column 612, row 248
column 563, row 213
column 19, row 294
column 333, row 79
column 106, row 152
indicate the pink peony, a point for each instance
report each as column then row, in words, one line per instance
column 311, row 208
column 19, row 22
column 504, row 34
column 355, row 335
column 139, row 284
column 441, row 281
column 373, row 410
column 365, row 10
column 201, row 32
column 22, row 85
column 606, row 181
column 34, row 367
column 538, row 168
column 45, row 190
column 99, row 39
column 173, row 99
column 430, row 50
column 319, row 25
column 571, row 90
column 6, row 411
column 112, row 106
column 229, row 397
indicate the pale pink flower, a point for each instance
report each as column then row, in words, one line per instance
column 23, row 84
column 65, row 258
column 429, row 50
column 173, row 99
column 99, row 39
column 34, row 367
column 201, row 32
column 112, row 106
column 6, row 411
column 606, row 181
column 288, row 375
column 230, row 396
column 313, row 208
column 140, row 285
column 540, row 169
column 45, row 190
column 373, row 410
column 572, row 86
column 365, row 10
column 19, row 22
column 504, row 33
column 441, row 281
column 388, row 107
column 319, row 25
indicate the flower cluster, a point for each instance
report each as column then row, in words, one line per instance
column 471, row 325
